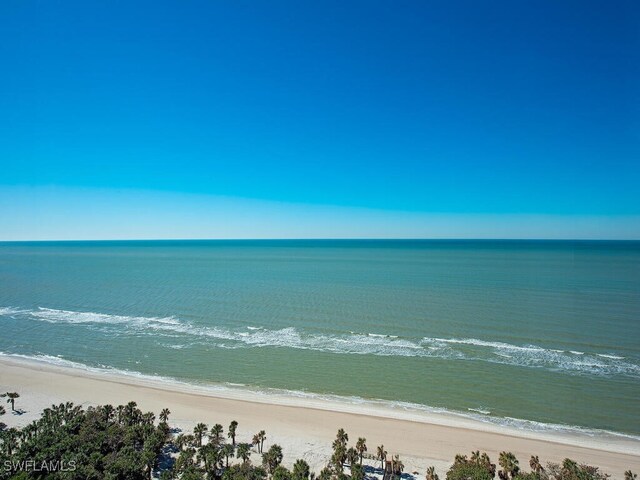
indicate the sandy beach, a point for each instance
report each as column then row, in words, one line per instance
column 305, row 428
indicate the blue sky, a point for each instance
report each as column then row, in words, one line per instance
column 291, row 119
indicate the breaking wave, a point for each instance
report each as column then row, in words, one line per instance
column 567, row 361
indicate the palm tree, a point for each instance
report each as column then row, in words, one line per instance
column 381, row 455
column 339, row 456
column 164, row 415
column 398, row 466
column 352, row 456
column 232, row 432
column 131, row 413
column 485, row 462
column 244, row 452
column 361, row 447
column 535, row 465
column 203, row 454
column 180, row 441
column 185, row 457
column 212, row 456
column 10, row 441
column 272, row 458
column 189, row 440
column 431, row 474
column 342, row 436
column 262, row 436
column 300, row 470
column 215, row 434
column 199, row 431
column 107, row 412
column 629, row 475
column 256, row 441
column 227, row 451
column 459, row 458
column 119, row 413
column 357, row 472
column 12, row 399
column 2, row 410
column 509, row 464
column 325, row 474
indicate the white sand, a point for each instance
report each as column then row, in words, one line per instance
column 306, row 427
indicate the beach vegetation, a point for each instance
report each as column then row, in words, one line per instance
column 325, row 474
column 397, row 467
column 124, row 443
column 476, row 467
column 281, row 473
column 361, row 447
column 229, row 452
column 468, row 471
column 11, row 398
column 97, row 443
column 258, row 440
column 244, row 452
column 244, row 471
column 352, row 456
column 272, row 458
column 164, row 415
column 233, row 426
column 535, row 465
column 509, row 464
column 339, row 457
column 571, row 470
column 381, row 454
column 301, row 470
column 431, row 474
column 357, row 472
column 199, row 431
column 216, row 434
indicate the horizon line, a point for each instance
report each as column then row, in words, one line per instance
column 374, row 239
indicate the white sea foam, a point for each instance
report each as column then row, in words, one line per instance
column 9, row 311
column 483, row 343
column 480, row 410
column 573, row 362
column 613, row 357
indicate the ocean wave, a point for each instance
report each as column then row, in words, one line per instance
column 480, row 410
column 536, row 356
column 337, row 402
column 52, row 315
column 613, row 357
column 471, row 349
column 9, row 311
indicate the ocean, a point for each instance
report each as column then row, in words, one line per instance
column 536, row 334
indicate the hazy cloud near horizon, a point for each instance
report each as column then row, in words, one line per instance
column 56, row 213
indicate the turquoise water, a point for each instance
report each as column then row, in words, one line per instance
column 541, row 331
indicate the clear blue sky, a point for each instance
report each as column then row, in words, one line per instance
column 480, row 113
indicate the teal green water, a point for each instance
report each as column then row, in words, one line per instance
column 541, row 331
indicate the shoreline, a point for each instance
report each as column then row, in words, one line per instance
column 571, row 435
column 305, row 427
